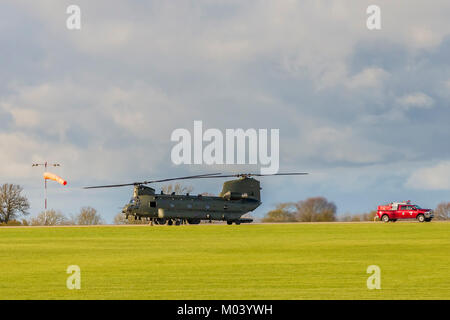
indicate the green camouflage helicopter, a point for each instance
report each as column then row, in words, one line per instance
column 238, row 197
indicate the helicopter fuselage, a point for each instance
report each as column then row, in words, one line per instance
column 236, row 199
column 191, row 208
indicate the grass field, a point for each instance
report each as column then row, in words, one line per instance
column 284, row 261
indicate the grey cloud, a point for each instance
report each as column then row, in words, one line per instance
column 105, row 100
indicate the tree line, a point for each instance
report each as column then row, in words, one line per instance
column 319, row 209
column 14, row 208
column 14, row 205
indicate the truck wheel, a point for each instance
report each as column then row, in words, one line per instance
column 421, row 218
column 385, row 218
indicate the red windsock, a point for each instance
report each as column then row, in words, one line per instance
column 54, row 177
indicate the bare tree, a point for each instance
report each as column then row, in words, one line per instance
column 442, row 211
column 368, row 216
column 12, row 203
column 49, row 218
column 178, row 188
column 14, row 222
column 349, row 217
column 88, row 216
column 121, row 219
column 283, row 212
column 316, row 209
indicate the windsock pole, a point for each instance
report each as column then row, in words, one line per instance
column 45, row 187
column 45, row 199
column 45, row 164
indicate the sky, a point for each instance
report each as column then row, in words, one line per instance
column 365, row 112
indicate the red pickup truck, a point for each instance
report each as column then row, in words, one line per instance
column 404, row 210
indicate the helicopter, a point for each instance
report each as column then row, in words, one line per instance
column 238, row 197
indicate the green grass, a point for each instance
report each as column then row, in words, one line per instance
column 288, row 261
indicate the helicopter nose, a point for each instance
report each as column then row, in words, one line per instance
column 129, row 208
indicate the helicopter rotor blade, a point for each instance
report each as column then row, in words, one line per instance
column 200, row 176
column 111, row 186
column 152, row 181
column 279, row 174
column 259, row 175
column 182, row 178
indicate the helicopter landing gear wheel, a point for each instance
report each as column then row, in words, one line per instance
column 237, row 222
column 229, row 222
column 177, row 222
column 193, row 221
column 160, row 221
column 170, row 222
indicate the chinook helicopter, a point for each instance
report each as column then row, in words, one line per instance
column 238, row 197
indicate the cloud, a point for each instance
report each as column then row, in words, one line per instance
column 368, row 78
column 337, row 145
column 417, row 100
column 424, row 37
column 432, row 178
column 25, row 117
column 82, row 127
column 447, row 84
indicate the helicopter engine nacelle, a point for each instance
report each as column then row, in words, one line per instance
column 234, row 195
column 241, row 189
